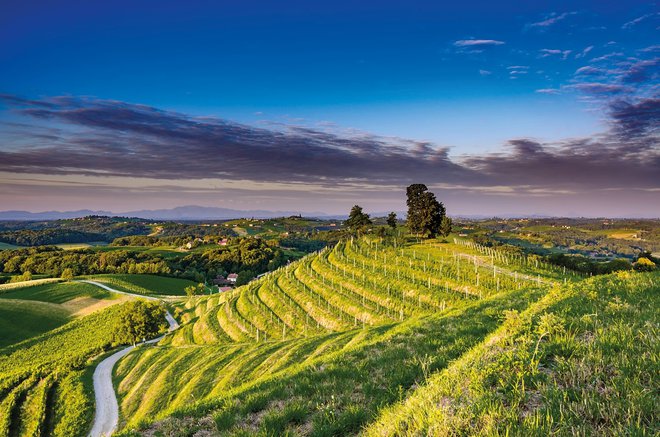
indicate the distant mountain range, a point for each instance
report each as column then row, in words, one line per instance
column 194, row 212
column 179, row 213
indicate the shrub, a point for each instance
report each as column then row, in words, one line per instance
column 644, row 265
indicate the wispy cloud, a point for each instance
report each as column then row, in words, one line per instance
column 590, row 71
column 477, row 42
column 636, row 21
column 548, row 91
column 550, row 20
column 584, row 52
column 563, row 54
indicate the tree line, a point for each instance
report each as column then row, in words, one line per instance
column 426, row 217
column 250, row 254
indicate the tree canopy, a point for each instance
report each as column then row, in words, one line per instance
column 140, row 320
column 357, row 219
column 425, row 213
column 391, row 220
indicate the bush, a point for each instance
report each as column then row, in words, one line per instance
column 67, row 274
column 27, row 276
column 644, row 265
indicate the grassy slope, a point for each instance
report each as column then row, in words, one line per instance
column 7, row 246
column 384, row 290
column 32, row 310
column 333, row 383
column 57, row 293
column 582, row 361
column 20, row 320
column 144, row 284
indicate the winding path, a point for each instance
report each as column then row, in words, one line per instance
column 107, row 407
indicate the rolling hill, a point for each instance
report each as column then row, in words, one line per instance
column 374, row 336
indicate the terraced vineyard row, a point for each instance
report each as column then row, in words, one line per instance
column 357, row 283
column 370, row 366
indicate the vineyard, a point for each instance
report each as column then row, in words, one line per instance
column 358, row 296
column 357, row 284
column 43, row 380
column 372, row 337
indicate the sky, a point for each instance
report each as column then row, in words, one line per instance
column 500, row 108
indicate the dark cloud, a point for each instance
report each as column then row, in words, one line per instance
column 601, row 89
column 110, row 138
column 637, row 120
column 642, row 71
column 134, row 140
column 577, row 165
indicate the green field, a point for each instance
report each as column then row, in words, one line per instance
column 28, row 311
column 7, row 246
column 20, row 319
column 144, row 284
column 59, row 292
column 581, row 361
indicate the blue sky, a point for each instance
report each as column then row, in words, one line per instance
column 465, row 78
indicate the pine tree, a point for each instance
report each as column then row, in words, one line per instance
column 445, row 226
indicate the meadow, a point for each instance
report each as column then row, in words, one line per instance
column 33, row 308
column 143, row 284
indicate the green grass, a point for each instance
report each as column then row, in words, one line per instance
column 582, row 361
column 20, row 319
column 144, row 284
column 29, row 311
column 57, row 293
column 7, row 246
column 350, row 374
